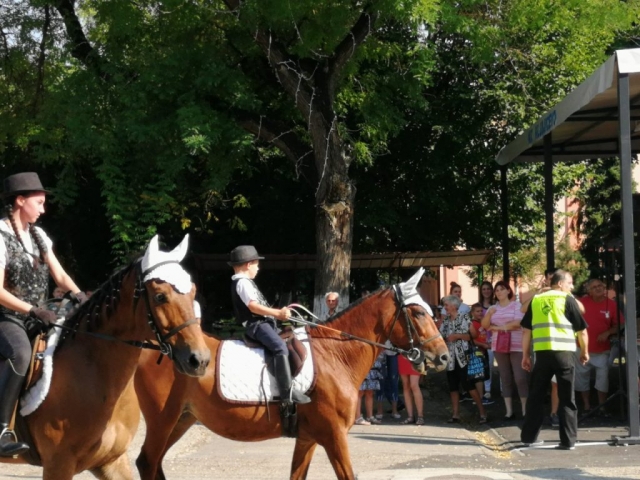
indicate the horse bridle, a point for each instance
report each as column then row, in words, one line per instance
column 414, row 354
column 164, row 347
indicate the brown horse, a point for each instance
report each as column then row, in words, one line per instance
column 90, row 414
column 171, row 403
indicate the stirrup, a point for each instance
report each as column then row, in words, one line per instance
column 18, row 448
column 8, row 431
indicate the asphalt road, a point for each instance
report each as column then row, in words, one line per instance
column 392, row 451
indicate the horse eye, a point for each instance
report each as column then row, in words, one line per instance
column 160, row 298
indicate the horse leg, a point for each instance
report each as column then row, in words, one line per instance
column 302, row 454
column 160, row 429
column 337, row 449
column 119, row 469
column 185, row 422
column 58, row 472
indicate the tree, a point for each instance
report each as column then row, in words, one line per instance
column 294, row 76
column 165, row 108
column 498, row 66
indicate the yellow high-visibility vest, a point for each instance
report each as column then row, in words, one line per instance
column 551, row 330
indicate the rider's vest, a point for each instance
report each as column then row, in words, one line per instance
column 243, row 315
column 551, row 330
column 25, row 280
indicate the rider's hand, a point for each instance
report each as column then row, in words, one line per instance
column 284, row 313
column 47, row 317
column 78, row 298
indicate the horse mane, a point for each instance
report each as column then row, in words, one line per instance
column 106, row 295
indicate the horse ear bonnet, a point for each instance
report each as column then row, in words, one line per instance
column 168, row 265
column 410, row 292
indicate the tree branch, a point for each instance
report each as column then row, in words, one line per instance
column 286, row 67
column 347, row 47
column 287, row 141
column 6, row 62
column 41, row 59
column 82, row 49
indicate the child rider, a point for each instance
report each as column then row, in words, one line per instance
column 259, row 319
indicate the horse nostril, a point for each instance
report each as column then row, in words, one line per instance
column 444, row 358
column 195, row 361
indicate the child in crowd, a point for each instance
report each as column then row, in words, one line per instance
column 477, row 312
column 369, row 386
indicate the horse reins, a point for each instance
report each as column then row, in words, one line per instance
column 414, row 354
column 410, row 326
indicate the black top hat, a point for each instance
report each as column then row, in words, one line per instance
column 243, row 254
column 20, row 183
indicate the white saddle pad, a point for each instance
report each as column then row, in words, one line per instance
column 33, row 397
column 243, row 376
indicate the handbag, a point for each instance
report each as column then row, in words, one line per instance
column 503, row 342
column 475, row 363
column 503, row 339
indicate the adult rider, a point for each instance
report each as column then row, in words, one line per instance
column 26, row 261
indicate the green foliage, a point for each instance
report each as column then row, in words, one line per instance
column 497, row 66
column 155, row 137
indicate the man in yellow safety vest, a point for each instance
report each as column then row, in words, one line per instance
column 552, row 323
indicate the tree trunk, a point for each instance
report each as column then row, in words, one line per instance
column 334, row 212
column 334, row 235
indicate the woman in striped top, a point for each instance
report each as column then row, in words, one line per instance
column 505, row 316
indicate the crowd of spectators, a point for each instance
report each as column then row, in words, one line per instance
column 491, row 328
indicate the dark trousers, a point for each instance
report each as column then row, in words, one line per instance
column 547, row 364
column 266, row 334
column 15, row 345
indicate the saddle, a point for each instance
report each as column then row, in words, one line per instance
column 297, row 356
column 297, row 352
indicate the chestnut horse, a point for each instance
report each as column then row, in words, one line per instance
column 172, row 403
column 91, row 413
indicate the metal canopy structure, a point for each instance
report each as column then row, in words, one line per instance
column 600, row 118
column 358, row 261
column 585, row 123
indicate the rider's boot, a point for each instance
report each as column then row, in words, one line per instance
column 283, row 379
column 10, row 386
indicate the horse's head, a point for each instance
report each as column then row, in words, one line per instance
column 169, row 299
column 414, row 328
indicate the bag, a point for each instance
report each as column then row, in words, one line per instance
column 503, row 342
column 503, row 339
column 475, row 364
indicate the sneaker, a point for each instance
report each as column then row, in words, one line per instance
column 362, row 421
column 487, row 396
column 465, row 397
column 373, row 421
column 487, row 401
column 537, row 443
column 396, row 416
column 565, row 447
column 555, row 421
